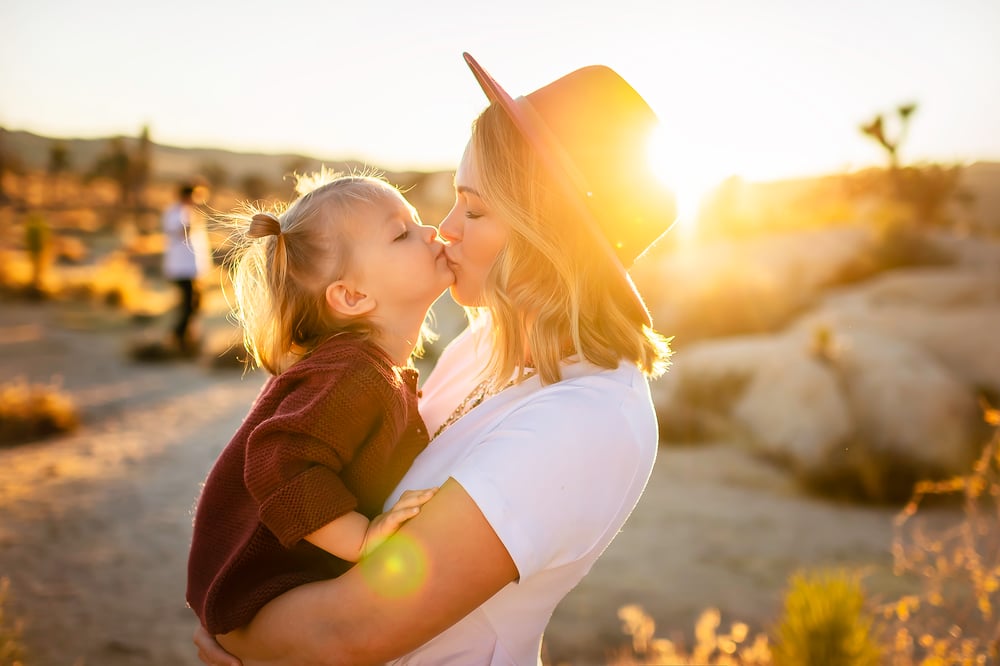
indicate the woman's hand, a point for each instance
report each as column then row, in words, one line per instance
column 209, row 650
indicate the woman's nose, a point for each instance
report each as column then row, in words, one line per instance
column 450, row 228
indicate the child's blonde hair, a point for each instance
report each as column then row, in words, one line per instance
column 283, row 260
column 551, row 291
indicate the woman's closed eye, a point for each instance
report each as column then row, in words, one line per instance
column 472, row 216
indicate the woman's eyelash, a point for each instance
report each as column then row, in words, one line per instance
column 473, row 216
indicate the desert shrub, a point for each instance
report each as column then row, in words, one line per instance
column 900, row 245
column 17, row 278
column 700, row 411
column 825, row 623
column 895, row 244
column 711, row 648
column 865, row 474
column 115, row 281
column 32, row 411
column 224, row 350
column 12, row 651
column 151, row 349
column 954, row 617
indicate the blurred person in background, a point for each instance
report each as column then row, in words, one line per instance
column 186, row 258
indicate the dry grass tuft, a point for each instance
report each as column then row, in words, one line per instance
column 712, row 648
column 955, row 619
column 32, row 411
column 12, row 652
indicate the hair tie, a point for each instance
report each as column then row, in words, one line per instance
column 264, row 224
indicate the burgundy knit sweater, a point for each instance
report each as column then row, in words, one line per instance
column 332, row 434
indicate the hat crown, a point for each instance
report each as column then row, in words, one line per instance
column 602, row 127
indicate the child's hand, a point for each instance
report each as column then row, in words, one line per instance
column 386, row 524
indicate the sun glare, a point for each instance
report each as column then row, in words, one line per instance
column 399, row 574
column 691, row 173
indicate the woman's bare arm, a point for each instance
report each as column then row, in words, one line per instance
column 439, row 567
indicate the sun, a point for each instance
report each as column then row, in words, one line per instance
column 688, row 170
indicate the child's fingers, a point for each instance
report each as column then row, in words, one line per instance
column 399, row 515
column 413, row 498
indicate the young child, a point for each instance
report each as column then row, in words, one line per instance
column 332, row 294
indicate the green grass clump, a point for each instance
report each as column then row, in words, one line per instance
column 32, row 411
column 825, row 623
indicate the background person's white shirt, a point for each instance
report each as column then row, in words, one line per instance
column 187, row 254
column 556, row 470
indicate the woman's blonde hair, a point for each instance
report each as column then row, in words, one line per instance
column 280, row 280
column 552, row 290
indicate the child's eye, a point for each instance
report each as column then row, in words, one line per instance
column 403, row 236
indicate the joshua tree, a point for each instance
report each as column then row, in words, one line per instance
column 59, row 163
column 926, row 190
column 129, row 170
column 3, row 164
column 140, row 166
column 114, row 164
column 36, row 240
column 877, row 131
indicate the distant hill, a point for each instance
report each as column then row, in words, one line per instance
column 172, row 162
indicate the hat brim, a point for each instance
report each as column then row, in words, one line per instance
column 560, row 167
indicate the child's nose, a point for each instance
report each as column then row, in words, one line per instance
column 430, row 233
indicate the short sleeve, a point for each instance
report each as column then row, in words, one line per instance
column 558, row 476
column 295, row 458
column 173, row 221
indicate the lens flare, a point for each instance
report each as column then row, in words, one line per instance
column 397, row 569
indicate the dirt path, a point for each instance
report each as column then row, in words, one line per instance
column 94, row 527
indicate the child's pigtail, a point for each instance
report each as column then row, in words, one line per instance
column 257, row 289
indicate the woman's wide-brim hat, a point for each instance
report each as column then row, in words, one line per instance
column 592, row 131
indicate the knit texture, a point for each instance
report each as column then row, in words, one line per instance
column 332, row 434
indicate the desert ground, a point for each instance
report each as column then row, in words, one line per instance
column 95, row 526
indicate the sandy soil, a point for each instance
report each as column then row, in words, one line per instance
column 94, row 527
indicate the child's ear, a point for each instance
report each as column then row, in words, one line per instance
column 348, row 301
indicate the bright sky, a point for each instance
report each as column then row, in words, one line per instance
column 762, row 88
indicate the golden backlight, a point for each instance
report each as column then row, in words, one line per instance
column 689, row 173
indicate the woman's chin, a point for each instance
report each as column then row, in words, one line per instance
column 465, row 299
column 457, row 295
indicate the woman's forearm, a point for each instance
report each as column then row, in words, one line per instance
column 438, row 568
column 297, row 628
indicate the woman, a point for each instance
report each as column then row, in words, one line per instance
column 544, row 432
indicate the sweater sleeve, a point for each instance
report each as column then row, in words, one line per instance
column 295, row 458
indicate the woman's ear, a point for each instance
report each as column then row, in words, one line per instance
column 347, row 301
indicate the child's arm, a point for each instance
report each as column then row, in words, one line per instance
column 351, row 537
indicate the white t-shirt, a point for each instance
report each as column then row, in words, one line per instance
column 556, row 471
column 187, row 254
